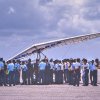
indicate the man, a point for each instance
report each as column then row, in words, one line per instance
column 95, row 72
column 42, row 66
column 11, row 69
column 85, row 67
column 60, row 72
column 77, row 66
column 5, row 74
column 17, row 72
column 91, row 67
column 47, row 72
column 2, row 73
column 73, row 73
column 57, row 68
column 66, row 66
column 30, row 72
column 36, row 70
column 24, row 73
column 51, row 70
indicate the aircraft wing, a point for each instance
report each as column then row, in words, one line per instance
column 47, row 45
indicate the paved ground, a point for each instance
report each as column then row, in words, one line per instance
column 51, row 92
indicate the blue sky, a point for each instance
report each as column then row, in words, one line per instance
column 25, row 22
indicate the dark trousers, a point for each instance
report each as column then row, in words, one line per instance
column 66, row 75
column 47, row 77
column 70, row 77
column 51, row 76
column 56, row 77
column 95, row 77
column 24, row 77
column 60, row 77
column 91, row 77
column 2, row 78
column 30, row 77
column 11, row 78
column 86, row 77
column 41, row 77
column 77, row 77
column 17, row 77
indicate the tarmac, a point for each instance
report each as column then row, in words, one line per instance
column 51, row 92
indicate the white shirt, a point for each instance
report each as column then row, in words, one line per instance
column 17, row 66
column 51, row 65
column 77, row 65
column 66, row 65
column 24, row 67
column 57, row 66
column 61, row 66
column 85, row 66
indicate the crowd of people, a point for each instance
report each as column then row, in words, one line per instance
column 45, row 72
